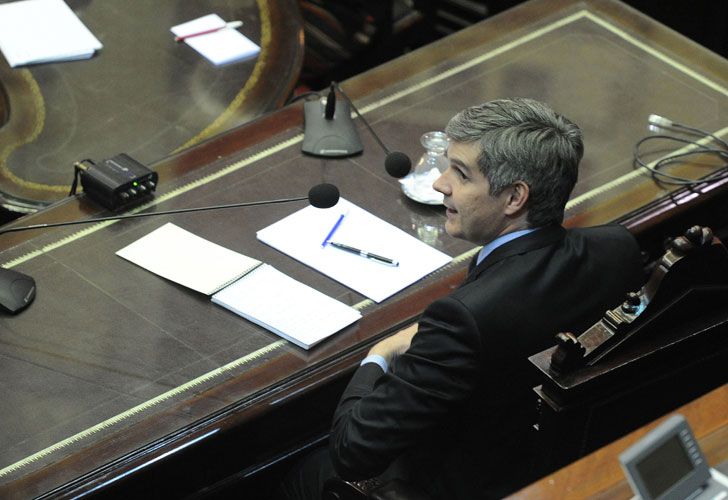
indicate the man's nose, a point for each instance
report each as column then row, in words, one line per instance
column 440, row 185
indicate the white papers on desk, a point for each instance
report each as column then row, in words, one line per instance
column 40, row 31
column 301, row 234
column 219, row 47
column 277, row 302
column 187, row 259
column 254, row 290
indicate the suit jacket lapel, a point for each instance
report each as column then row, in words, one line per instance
column 538, row 239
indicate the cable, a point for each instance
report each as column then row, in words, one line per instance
column 659, row 122
column 302, row 96
column 364, row 121
column 79, row 167
column 720, row 149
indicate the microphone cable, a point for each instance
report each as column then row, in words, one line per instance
column 710, row 144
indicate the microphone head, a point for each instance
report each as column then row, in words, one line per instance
column 397, row 164
column 323, row 195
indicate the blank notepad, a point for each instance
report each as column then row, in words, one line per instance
column 220, row 47
column 254, row 290
column 296, row 312
column 187, row 259
column 40, row 31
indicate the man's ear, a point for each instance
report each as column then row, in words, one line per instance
column 518, row 194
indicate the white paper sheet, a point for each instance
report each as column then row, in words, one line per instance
column 39, row 31
column 302, row 233
column 220, row 47
column 296, row 312
column 187, row 259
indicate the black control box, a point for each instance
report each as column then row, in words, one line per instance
column 118, row 182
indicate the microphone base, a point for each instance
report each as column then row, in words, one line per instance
column 335, row 138
column 17, row 291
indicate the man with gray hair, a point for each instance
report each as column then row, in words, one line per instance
column 447, row 404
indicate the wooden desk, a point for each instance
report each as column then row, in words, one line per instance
column 599, row 474
column 114, row 372
column 142, row 94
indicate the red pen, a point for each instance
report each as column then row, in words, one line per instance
column 230, row 25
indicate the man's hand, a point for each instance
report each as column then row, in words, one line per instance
column 396, row 344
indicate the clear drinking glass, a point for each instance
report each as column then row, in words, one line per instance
column 418, row 184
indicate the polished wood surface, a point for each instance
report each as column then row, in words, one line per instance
column 113, row 370
column 142, row 94
column 599, row 474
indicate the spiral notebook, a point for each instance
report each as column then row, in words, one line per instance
column 185, row 258
column 248, row 287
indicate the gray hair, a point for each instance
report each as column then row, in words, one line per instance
column 523, row 139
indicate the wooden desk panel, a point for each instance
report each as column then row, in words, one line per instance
column 599, row 474
column 113, row 364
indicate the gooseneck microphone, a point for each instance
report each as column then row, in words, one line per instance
column 329, row 132
column 328, row 129
column 17, row 290
column 396, row 163
column 320, row 196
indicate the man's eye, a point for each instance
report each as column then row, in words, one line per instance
column 461, row 173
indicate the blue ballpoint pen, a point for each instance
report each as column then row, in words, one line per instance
column 333, row 230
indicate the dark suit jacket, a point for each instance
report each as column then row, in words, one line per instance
column 455, row 412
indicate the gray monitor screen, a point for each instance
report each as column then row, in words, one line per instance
column 664, row 467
